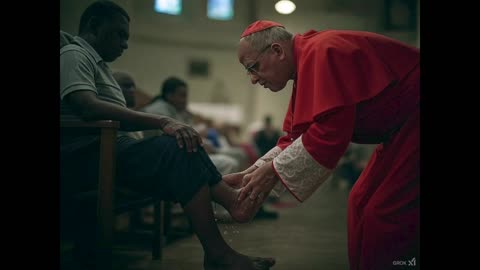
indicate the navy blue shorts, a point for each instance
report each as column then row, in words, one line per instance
column 154, row 166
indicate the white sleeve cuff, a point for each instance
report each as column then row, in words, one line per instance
column 268, row 156
column 298, row 171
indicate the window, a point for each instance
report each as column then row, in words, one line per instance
column 401, row 15
column 198, row 68
column 220, row 9
column 172, row 7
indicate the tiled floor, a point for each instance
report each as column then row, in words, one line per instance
column 310, row 236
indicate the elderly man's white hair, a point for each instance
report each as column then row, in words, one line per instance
column 260, row 40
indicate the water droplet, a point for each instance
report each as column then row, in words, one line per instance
column 225, row 232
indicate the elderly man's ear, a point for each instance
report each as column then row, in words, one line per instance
column 278, row 50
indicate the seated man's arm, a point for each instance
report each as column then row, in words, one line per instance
column 89, row 107
column 79, row 91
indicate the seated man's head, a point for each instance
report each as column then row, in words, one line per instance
column 127, row 84
column 175, row 92
column 105, row 26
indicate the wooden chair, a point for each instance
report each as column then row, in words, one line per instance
column 107, row 207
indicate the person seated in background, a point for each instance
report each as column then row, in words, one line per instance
column 265, row 139
column 129, row 87
column 230, row 144
column 170, row 167
column 172, row 101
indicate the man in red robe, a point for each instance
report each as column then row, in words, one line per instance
column 349, row 86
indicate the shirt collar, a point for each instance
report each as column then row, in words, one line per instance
column 82, row 42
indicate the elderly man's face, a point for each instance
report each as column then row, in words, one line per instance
column 264, row 67
column 112, row 37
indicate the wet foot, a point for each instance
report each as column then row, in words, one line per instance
column 245, row 210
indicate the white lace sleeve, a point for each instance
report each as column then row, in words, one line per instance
column 298, row 171
column 268, row 156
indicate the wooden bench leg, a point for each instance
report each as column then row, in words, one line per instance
column 158, row 214
column 105, row 199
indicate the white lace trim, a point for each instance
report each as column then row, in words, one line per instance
column 278, row 189
column 268, row 156
column 299, row 172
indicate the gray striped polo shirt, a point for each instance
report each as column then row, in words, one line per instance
column 82, row 69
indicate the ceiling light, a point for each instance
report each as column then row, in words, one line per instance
column 285, row 7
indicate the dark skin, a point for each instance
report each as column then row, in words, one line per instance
column 178, row 98
column 109, row 38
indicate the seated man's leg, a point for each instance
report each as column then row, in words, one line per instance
column 225, row 165
column 156, row 166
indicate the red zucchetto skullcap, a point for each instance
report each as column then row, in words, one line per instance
column 259, row 26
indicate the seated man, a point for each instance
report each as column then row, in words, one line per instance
column 171, row 167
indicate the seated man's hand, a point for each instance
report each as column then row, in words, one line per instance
column 186, row 136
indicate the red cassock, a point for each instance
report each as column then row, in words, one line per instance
column 360, row 87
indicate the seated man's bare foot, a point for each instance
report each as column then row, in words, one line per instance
column 237, row 261
column 245, row 210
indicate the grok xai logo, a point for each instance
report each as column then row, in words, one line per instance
column 411, row 262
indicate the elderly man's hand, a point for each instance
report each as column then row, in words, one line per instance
column 234, row 179
column 185, row 135
column 259, row 183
